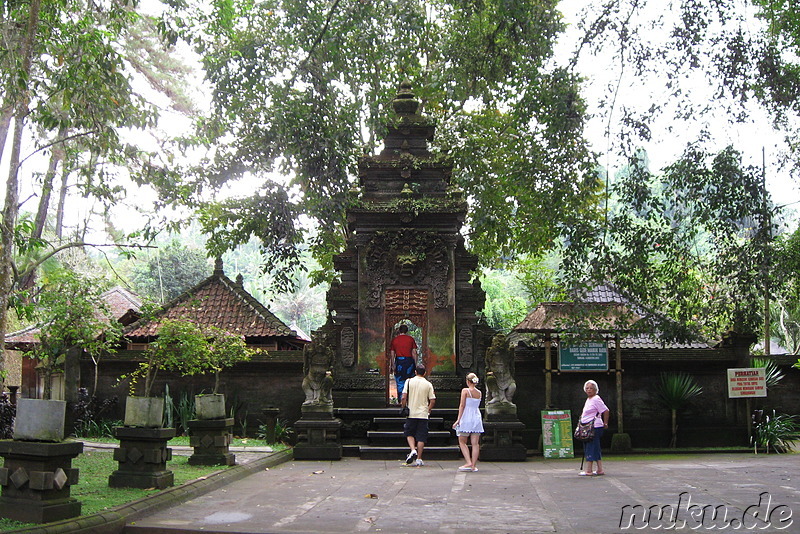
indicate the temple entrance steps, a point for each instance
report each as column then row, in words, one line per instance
column 377, row 434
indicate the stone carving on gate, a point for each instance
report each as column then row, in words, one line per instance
column 465, row 347
column 407, row 257
column 347, row 345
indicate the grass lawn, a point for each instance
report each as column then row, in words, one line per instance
column 95, row 466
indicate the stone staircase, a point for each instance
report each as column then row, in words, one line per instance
column 377, row 434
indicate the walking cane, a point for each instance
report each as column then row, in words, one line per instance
column 583, row 456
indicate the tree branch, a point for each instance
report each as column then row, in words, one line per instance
column 75, row 244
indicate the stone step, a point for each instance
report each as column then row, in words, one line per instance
column 389, row 423
column 387, row 437
column 370, row 452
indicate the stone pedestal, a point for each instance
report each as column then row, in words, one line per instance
column 36, row 479
column 142, row 457
column 502, row 439
column 211, row 439
column 319, row 435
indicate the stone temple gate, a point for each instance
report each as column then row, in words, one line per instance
column 404, row 262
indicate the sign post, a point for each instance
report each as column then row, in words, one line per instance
column 557, row 434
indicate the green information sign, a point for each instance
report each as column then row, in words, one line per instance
column 557, row 434
column 583, row 357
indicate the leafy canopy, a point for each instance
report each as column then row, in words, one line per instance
column 304, row 89
column 71, row 313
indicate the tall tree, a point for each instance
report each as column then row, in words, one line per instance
column 303, row 88
column 689, row 244
column 169, row 271
column 67, row 86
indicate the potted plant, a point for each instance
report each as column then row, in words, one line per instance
column 72, row 317
column 180, row 346
column 224, row 349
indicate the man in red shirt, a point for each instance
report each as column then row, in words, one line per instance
column 403, row 351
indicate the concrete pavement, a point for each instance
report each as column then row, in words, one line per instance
column 710, row 492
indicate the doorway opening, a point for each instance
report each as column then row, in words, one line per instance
column 404, row 307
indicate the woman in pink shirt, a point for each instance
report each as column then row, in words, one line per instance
column 594, row 409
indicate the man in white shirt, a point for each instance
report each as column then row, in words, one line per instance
column 418, row 395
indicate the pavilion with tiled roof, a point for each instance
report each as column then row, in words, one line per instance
column 609, row 307
column 219, row 301
column 270, row 379
column 636, row 360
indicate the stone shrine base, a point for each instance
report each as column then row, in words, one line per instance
column 142, row 457
column 36, row 478
column 319, row 435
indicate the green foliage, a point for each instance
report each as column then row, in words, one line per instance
column 506, row 303
column 71, row 313
column 102, row 428
column 674, row 391
column 773, row 373
column 304, row 89
column 169, row 272
column 690, row 243
column 184, row 347
column 776, row 432
column 281, row 431
column 185, row 411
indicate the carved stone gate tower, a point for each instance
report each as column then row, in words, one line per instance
column 405, row 261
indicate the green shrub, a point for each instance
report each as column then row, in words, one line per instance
column 776, row 432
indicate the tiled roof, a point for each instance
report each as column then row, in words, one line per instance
column 555, row 316
column 217, row 301
column 25, row 336
column 121, row 302
column 549, row 315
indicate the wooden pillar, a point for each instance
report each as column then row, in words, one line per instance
column 618, row 365
column 548, row 372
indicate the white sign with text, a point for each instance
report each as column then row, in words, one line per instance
column 747, row 382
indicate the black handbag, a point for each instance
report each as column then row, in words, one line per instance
column 584, row 431
column 404, row 411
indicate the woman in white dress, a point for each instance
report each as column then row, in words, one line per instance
column 469, row 423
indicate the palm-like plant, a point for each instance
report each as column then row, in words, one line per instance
column 776, row 432
column 674, row 391
column 772, row 372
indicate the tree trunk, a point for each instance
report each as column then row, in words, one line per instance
column 674, row 442
column 6, row 114
column 11, row 206
column 44, row 203
column 62, row 200
column 56, row 157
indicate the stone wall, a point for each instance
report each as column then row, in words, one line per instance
column 258, row 385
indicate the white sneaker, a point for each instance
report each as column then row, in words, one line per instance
column 419, row 463
column 411, row 456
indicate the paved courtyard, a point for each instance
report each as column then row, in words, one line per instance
column 712, row 492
